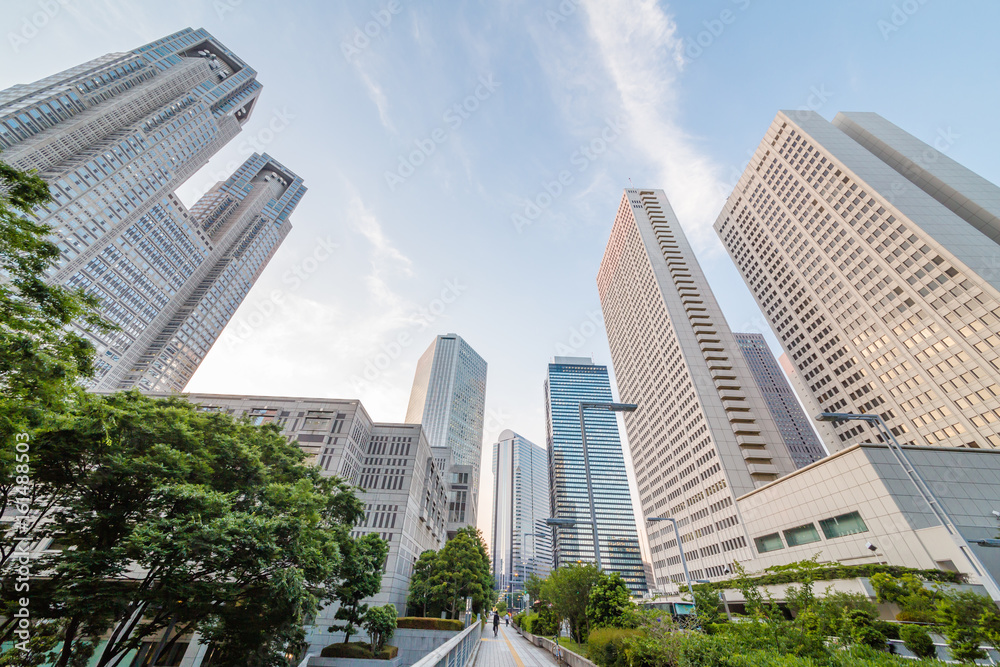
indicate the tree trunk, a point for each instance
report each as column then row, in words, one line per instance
column 69, row 634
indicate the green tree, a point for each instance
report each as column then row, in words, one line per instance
column 41, row 356
column 222, row 527
column 609, row 603
column 360, row 577
column 567, row 588
column 962, row 614
column 380, row 622
column 706, row 608
column 461, row 570
column 420, row 600
column 918, row 640
column 916, row 602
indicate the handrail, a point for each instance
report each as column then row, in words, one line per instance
column 459, row 644
column 305, row 660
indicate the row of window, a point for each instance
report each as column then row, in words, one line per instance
column 837, row 526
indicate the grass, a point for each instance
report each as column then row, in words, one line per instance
column 579, row 649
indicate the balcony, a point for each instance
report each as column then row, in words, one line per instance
column 746, row 440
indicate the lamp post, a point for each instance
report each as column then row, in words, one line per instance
column 923, row 489
column 609, row 407
column 680, row 547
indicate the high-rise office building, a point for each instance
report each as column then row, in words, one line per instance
column 522, row 542
column 800, row 439
column 449, row 399
column 114, row 138
column 570, row 381
column 702, row 434
column 873, row 256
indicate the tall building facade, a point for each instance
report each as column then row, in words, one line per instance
column 522, row 541
column 570, row 381
column 392, row 464
column 702, row 434
column 449, row 399
column 114, row 138
column 800, row 439
column 874, row 257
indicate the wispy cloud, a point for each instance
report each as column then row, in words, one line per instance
column 377, row 96
column 642, row 53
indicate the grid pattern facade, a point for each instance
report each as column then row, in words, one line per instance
column 113, row 138
column 570, row 381
column 391, row 464
column 801, row 440
column 874, row 258
column 702, row 434
column 449, row 399
column 522, row 542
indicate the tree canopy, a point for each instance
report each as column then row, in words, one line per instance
column 442, row 580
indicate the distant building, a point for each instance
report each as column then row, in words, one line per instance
column 570, row 381
column 114, row 138
column 449, row 399
column 802, row 442
column 522, row 542
column 874, row 257
column 402, row 488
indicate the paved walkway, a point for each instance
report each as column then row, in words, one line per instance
column 509, row 649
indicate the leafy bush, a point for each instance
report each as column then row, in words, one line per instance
column 545, row 622
column 609, row 603
column 606, row 646
column 519, row 619
column 961, row 614
column 358, row 650
column 918, row 640
column 794, row 576
column 380, row 622
column 420, row 623
column 859, row 627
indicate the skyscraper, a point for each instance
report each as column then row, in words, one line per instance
column 874, row 257
column 522, row 542
column 800, row 439
column 114, row 138
column 449, row 399
column 702, row 434
column 570, row 381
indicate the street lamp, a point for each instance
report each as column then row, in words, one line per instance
column 923, row 489
column 680, row 547
column 609, row 407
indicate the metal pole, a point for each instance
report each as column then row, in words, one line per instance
column 680, row 547
column 590, row 489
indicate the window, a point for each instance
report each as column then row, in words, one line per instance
column 844, row 524
column 801, row 535
column 767, row 543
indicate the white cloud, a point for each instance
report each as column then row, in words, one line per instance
column 377, row 96
column 642, row 53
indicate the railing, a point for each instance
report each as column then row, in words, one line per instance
column 459, row 651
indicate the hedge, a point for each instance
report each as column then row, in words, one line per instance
column 358, row 650
column 421, row 623
column 841, row 572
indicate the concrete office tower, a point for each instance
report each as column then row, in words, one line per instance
column 114, row 138
column 522, row 542
column 812, row 408
column 402, row 488
column 702, row 434
column 874, row 256
column 449, row 399
column 793, row 424
column 570, row 381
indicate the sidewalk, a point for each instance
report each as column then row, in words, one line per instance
column 510, row 650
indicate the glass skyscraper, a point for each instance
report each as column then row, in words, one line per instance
column 449, row 399
column 802, row 442
column 570, row 381
column 114, row 138
column 522, row 542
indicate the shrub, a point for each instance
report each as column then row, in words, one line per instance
column 380, row 622
column 918, row 640
column 421, row 623
column 358, row 650
column 545, row 622
column 916, row 616
column 605, row 646
column 859, row 628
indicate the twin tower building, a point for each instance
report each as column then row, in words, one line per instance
column 873, row 256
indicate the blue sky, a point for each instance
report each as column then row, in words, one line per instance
column 422, row 144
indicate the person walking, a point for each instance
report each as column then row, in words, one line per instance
column 496, row 623
column 506, row 619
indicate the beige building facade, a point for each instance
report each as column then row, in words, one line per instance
column 702, row 434
column 874, row 257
